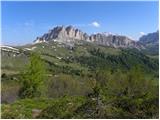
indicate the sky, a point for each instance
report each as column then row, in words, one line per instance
column 23, row 21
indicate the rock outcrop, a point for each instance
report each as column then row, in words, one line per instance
column 150, row 42
column 63, row 33
column 71, row 34
column 151, row 38
column 114, row 40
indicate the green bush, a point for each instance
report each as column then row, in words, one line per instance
column 133, row 94
column 121, row 95
column 63, row 108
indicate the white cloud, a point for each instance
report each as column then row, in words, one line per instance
column 142, row 33
column 29, row 23
column 95, row 24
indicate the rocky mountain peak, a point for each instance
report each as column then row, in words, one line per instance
column 71, row 34
column 150, row 38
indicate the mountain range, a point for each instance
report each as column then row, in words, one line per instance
column 70, row 43
column 70, row 37
column 71, row 34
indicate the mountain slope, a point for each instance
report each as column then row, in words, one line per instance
column 76, row 68
column 151, row 43
column 70, row 48
column 83, row 56
column 150, row 38
column 71, row 72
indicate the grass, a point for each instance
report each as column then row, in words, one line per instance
column 24, row 108
column 13, row 63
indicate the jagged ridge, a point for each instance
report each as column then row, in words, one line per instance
column 69, row 33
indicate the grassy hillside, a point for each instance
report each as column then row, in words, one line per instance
column 80, row 73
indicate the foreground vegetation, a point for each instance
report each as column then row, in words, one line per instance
column 114, row 95
column 95, row 82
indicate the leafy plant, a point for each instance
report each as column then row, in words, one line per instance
column 33, row 78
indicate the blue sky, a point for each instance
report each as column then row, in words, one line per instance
column 23, row 21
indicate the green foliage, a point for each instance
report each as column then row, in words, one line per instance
column 86, row 110
column 63, row 108
column 122, row 95
column 125, row 60
column 128, row 93
column 62, row 84
column 106, row 77
column 115, row 95
column 50, row 108
column 33, row 78
column 22, row 109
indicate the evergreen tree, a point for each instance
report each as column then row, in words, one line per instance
column 33, row 77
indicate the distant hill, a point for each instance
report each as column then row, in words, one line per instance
column 150, row 42
column 150, row 38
